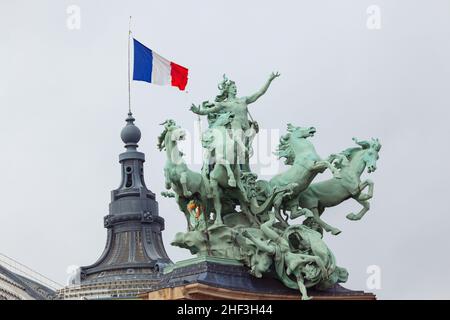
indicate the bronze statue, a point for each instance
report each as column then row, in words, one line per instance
column 231, row 214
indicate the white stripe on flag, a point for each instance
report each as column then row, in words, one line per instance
column 161, row 70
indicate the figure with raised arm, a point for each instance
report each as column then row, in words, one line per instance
column 243, row 130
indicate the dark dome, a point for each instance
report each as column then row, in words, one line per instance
column 130, row 133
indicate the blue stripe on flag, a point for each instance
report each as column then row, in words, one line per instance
column 143, row 62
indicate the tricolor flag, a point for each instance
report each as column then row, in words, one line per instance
column 151, row 67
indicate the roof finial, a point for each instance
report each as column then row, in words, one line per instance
column 130, row 133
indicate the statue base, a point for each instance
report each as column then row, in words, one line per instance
column 210, row 278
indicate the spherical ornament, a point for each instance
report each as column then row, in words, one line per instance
column 130, row 133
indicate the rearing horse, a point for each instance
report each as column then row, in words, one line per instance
column 304, row 163
column 186, row 183
column 332, row 192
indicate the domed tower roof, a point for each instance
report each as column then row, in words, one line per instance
column 134, row 251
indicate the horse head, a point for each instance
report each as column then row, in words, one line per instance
column 370, row 156
column 300, row 132
column 285, row 148
column 171, row 133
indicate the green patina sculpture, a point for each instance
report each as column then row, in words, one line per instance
column 231, row 214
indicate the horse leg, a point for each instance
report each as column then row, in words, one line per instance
column 226, row 164
column 182, row 207
column 205, row 179
column 239, row 184
column 322, row 165
column 277, row 208
column 296, row 212
column 369, row 193
column 323, row 224
column 333, row 170
column 183, row 181
column 293, row 206
column 230, row 173
column 217, row 202
column 208, row 189
column 168, row 184
column 360, row 214
column 312, row 224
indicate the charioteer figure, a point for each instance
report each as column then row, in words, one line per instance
column 234, row 109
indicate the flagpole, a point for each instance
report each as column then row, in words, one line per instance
column 129, row 67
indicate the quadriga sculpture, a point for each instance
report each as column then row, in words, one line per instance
column 248, row 225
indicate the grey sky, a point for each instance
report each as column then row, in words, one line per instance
column 63, row 100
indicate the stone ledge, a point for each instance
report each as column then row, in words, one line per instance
column 212, row 278
column 198, row 291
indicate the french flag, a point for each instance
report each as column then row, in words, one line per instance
column 151, row 67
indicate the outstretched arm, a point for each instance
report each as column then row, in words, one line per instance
column 263, row 90
column 266, row 228
column 215, row 107
column 302, row 288
column 269, row 231
column 261, row 245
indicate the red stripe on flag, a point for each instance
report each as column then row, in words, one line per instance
column 179, row 76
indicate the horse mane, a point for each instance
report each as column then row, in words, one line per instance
column 161, row 138
column 349, row 153
column 363, row 145
column 284, row 150
column 167, row 124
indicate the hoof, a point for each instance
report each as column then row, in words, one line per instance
column 232, row 183
column 308, row 213
column 335, row 232
column 352, row 217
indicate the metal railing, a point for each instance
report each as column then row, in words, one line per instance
column 22, row 270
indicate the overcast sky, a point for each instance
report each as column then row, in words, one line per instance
column 63, row 100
